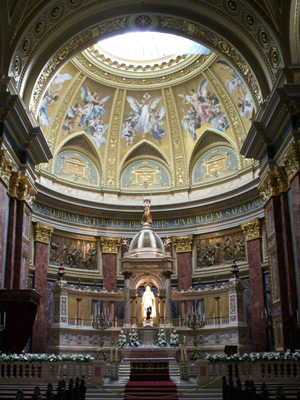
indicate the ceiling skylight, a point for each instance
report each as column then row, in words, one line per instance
column 149, row 46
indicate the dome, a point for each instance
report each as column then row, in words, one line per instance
column 146, row 244
column 155, row 122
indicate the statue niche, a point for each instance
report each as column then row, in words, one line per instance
column 148, row 304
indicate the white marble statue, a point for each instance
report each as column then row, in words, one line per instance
column 148, row 303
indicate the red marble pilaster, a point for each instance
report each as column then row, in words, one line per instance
column 295, row 215
column 109, row 273
column 259, row 332
column 39, row 332
column 276, row 247
column 11, row 243
column 22, row 244
column 3, row 215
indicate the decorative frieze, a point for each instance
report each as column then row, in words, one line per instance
column 252, row 229
column 291, row 161
column 183, row 243
column 110, row 245
column 42, row 233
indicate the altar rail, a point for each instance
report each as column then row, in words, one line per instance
column 281, row 371
column 51, row 372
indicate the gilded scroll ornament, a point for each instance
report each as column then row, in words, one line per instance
column 26, row 190
column 291, row 161
column 268, row 186
column 42, row 233
column 183, row 243
column 6, row 166
column 110, row 245
column 252, row 229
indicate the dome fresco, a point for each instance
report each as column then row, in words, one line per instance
column 118, row 123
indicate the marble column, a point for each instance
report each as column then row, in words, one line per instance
column 272, row 186
column 42, row 234
column 168, row 298
column 127, row 310
column 291, row 164
column 252, row 232
column 133, row 306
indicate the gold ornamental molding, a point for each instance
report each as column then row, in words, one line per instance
column 291, row 161
column 110, row 245
column 42, row 233
column 21, row 187
column 268, row 186
column 26, row 190
column 252, row 229
column 183, row 243
column 282, row 178
column 6, row 166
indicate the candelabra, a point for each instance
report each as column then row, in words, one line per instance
column 101, row 323
column 195, row 322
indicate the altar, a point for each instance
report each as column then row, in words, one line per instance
column 145, row 352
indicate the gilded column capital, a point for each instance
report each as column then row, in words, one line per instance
column 252, row 229
column 282, row 179
column 110, row 245
column 291, row 161
column 26, row 190
column 42, row 233
column 183, row 243
column 6, row 166
column 268, row 186
column 14, row 183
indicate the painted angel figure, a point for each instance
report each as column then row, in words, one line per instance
column 191, row 121
column 144, row 111
column 96, row 130
column 73, row 117
column 235, row 82
column 93, row 105
column 50, row 97
column 156, row 121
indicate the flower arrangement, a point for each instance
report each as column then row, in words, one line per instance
column 133, row 339
column 122, row 342
column 174, row 339
column 253, row 357
column 162, row 339
column 30, row 357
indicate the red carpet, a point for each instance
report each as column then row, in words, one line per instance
column 149, row 390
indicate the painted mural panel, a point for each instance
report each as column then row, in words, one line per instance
column 215, row 164
column 55, row 91
column 145, row 174
column 77, row 168
column 237, row 89
column 144, row 118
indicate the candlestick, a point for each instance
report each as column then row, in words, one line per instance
column 181, row 355
column 111, row 354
